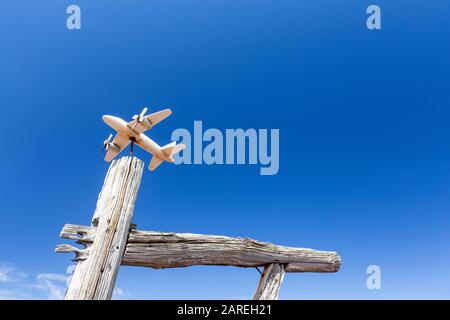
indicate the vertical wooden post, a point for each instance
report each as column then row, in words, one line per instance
column 270, row 282
column 96, row 272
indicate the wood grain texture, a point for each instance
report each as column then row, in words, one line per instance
column 170, row 250
column 270, row 283
column 98, row 262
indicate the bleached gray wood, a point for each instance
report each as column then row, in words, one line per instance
column 170, row 250
column 270, row 282
column 98, row 263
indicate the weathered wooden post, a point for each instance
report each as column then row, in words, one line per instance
column 99, row 262
column 108, row 243
column 270, row 283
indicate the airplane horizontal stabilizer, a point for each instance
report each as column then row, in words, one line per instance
column 154, row 163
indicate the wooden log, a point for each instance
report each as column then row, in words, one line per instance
column 170, row 250
column 98, row 263
column 270, row 282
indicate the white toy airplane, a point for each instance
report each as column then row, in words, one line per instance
column 133, row 132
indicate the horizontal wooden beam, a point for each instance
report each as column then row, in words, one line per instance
column 170, row 250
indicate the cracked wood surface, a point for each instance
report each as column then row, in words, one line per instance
column 99, row 261
column 170, row 250
column 270, row 283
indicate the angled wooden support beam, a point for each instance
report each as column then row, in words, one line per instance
column 170, row 250
column 270, row 283
column 98, row 263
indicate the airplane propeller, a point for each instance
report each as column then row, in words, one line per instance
column 139, row 117
column 106, row 143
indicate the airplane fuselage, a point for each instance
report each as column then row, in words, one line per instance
column 121, row 126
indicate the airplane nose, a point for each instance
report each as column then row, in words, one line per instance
column 109, row 120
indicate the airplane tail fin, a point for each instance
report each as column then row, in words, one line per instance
column 172, row 148
column 169, row 150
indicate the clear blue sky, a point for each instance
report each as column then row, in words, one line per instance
column 364, row 136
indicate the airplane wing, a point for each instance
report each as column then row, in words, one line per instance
column 119, row 143
column 149, row 121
